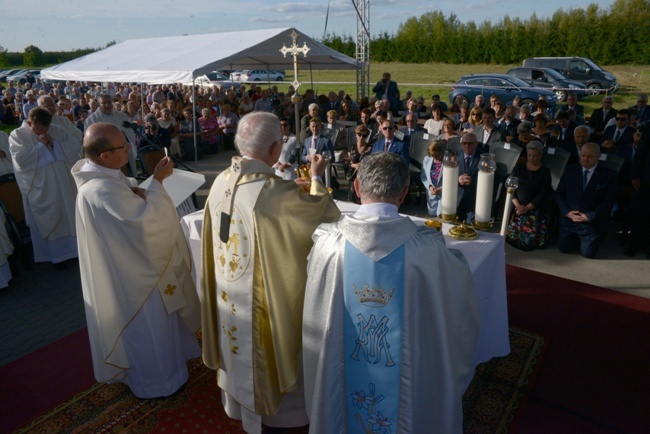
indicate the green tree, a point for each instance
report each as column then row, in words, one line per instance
column 33, row 56
column 4, row 57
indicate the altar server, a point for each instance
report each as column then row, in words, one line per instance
column 256, row 237
column 390, row 321
column 142, row 308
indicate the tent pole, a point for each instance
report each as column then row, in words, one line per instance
column 196, row 148
column 141, row 102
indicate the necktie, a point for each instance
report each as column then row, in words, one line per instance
column 387, row 146
column 313, row 143
column 617, row 136
column 467, row 160
column 605, row 115
column 585, row 175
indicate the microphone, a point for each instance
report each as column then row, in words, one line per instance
column 132, row 125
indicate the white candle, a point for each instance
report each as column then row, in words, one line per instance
column 449, row 190
column 484, row 188
column 506, row 212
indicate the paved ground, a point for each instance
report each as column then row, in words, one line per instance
column 44, row 304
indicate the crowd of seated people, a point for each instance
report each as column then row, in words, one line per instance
column 489, row 120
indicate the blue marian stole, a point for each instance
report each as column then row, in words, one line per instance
column 374, row 304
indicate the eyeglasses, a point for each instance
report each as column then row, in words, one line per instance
column 476, row 114
column 621, row 119
column 284, row 125
column 360, row 134
column 468, row 143
column 112, row 149
column 387, row 128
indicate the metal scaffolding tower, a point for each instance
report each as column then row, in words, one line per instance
column 363, row 47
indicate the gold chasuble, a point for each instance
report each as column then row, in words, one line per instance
column 253, row 283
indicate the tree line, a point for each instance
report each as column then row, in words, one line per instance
column 617, row 35
column 613, row 36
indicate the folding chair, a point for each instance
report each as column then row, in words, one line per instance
column 612, row 161
column 11, row 204
column 555, row 160
column 417, row 152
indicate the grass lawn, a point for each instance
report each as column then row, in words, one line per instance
column 431, row 78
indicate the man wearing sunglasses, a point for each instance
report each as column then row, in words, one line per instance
column 389, row 143
column 619, row 134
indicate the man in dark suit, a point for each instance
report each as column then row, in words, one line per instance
column 600, row 117
column 562, row 131
column 313, row 112
column 488, row 132
column 585, row 197
column 387, row 89
column 389, row 143
column 321, row 144
column 411, row 128
column 572, row 104
column 508, row 125
column 468, row 176
column 618, row 134
column 642, row 109
column 640, row 205
column 580, row 137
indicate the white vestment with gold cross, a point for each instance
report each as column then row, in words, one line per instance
column 142, row 308
column 253, row 277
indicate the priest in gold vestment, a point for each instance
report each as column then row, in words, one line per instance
column 256, row 237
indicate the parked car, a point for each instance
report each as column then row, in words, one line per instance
column 21, row 76
column 216, row 77
column 550, row 79
column 7, row 72
column 579, row 69
column 505, row 86
column 258, row 75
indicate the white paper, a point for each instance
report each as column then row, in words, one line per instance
column 425, row 136
column 179, row 185
column 603, row 157
column 506, row 146
column 399, row 135
column 550, row 151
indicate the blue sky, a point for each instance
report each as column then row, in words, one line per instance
column 61, row 25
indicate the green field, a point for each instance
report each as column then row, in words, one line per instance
column 431, row 78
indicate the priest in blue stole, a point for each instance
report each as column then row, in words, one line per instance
column 390, row 320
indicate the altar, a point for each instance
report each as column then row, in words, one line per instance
column 485, row 256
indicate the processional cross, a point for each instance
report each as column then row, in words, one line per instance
column 295, row 50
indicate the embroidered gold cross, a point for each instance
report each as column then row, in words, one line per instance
column 170, row 289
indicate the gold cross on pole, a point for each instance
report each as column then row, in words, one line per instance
column 295, row 50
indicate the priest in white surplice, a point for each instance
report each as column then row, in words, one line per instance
column 62, row 122
column 142, row 308
column 43, row 155
column 390, row 320
column 256, row 237
column 105, row 113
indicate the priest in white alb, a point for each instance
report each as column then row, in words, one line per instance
column 105, row 113
column 43, row 155
column 390, row 320
column 142, row 308
column 256, row 237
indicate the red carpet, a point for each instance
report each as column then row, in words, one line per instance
column 65, row 367
column 596, row 374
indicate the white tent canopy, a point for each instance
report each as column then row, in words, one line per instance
column 180, row 59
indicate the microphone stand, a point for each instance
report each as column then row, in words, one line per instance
column 151, row 143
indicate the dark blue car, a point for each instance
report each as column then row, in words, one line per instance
column 506, row 86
